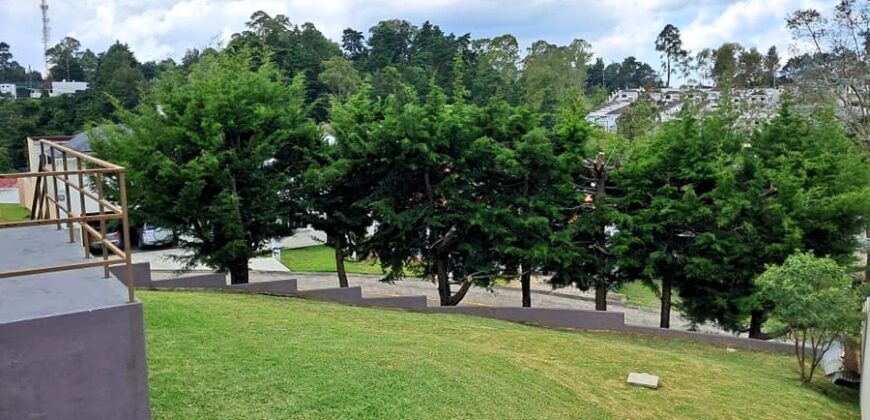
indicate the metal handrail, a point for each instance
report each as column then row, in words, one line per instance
column 86, row 165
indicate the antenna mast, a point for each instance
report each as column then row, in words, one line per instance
column 44, row 7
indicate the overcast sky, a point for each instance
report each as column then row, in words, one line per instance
column 156, row 29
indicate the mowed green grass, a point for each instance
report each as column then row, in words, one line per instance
column 321, row 258
column 640, row 295
column 215, row 355
column 13, row 213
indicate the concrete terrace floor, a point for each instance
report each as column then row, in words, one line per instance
column 56, row 293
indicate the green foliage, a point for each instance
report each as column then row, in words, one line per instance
column 553, row 75
column 580, row 253
column 497, row 70
column 668, row 201
column 118, row 75
column 12, row 71
column 629, row 74
column 640, row 119
column 218, row 155
column 815, row 303
column 342, row 175
column 64, row 58
column 432, row 196
column 670, row 45
column 797, row 183
column 5, row 161
column 339, row 77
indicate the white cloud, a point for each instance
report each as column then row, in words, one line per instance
column 155, row 29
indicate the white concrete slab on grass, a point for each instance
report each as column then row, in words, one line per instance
column 643, row 379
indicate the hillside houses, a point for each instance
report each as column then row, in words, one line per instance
column 755, row 104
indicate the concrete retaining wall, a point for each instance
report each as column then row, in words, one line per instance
column 83, row 365
column 277, row 287
column 546, row 317
column 718, row 339
column 417, row 303
column 350, row 295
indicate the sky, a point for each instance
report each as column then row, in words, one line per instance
column 156, row 29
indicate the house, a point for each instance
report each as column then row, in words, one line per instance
column 755, row 104
column 63, row 87
column 8, row 89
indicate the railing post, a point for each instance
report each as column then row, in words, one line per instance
column 99, row 178
column 86, row 237
column 122, row 185
column 54, row 183
column 68, row 200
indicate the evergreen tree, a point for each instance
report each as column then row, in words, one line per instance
column 342, row 177
column 226, row 148
column 668, row 184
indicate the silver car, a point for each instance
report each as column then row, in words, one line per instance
column 152, row 235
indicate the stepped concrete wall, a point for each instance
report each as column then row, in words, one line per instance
column 546, row 317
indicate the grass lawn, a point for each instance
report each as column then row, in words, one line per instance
column 216, row 355
column 13, row 213
column 321, row 258
column 638, row 294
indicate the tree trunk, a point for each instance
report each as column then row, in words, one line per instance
column 339, row 261
column 460, row 294
column 755, row 322
column 668, row 83
column 239, row 273
column 665, row 321
column 443, row 279
column 526, row 281
column 600, row 296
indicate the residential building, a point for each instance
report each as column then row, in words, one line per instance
column 63, row 87
column 755, row 104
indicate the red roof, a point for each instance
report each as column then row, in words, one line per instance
column 9, row 183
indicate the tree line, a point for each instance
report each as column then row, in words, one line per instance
column 465, row 193
column 475, row 165
column 395, row 52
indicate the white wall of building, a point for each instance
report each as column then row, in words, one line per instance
column 9, row 196
column 64, row 87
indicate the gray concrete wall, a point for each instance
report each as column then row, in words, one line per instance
column 9, row 196
column 350, row 295
column 547, row 317
column 401, row 302
column 277, row 287
column 718, row 339
column 83, row 365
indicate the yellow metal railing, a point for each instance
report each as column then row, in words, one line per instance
column 95, row 170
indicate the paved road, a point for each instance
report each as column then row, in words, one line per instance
column 498, row 296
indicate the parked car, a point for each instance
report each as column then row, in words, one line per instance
column 113, row 234
column 152, row 235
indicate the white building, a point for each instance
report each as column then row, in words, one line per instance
column 8, row 89
column 755, row 104
column 64, row 87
